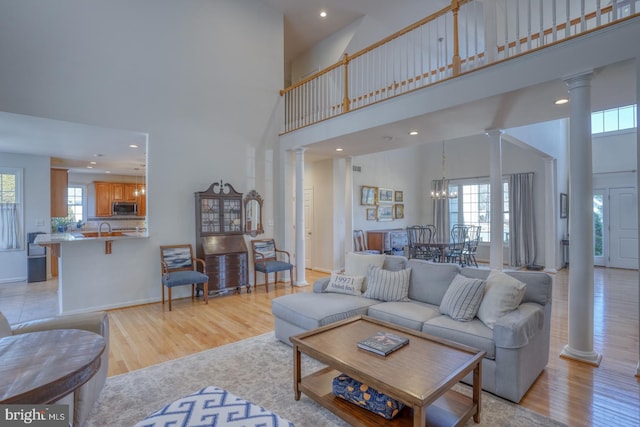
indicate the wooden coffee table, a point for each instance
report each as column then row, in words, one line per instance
column 420, row 374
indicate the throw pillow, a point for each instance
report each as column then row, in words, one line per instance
column 502, row 294
column 5, row 327
column 387, row 285
column 343, row 284
column 358, row 264
column 462, row 298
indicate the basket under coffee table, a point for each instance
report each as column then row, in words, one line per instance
column 420, row 374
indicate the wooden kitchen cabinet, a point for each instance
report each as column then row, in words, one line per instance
column 130, row 194
column 142, row 201
column 59, row 190
column 103, row 198
column 117, row 192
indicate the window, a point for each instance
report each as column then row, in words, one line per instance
column 614, row 119
column 473, row 207
column 10, row 208
column 76, row 201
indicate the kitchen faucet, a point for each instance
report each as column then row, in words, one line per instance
column 100, row 227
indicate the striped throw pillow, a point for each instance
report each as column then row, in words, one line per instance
column 387, row 285
column 462, row 299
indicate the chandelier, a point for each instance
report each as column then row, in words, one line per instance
column 443, row 194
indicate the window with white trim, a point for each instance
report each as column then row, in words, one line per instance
column 77, row 202
column 615, row 119
column 473, row 206
column 10, row 209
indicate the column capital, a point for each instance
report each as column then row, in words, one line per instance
column 578, row 79
column 300, row 149
column 494, row 133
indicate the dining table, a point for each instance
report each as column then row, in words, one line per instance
column 437, row 244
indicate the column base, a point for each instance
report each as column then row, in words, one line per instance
column 638, row 370
column 592, row 358
column 301, row 283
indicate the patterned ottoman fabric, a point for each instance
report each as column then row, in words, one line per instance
column 214, row 407
column 362, row 395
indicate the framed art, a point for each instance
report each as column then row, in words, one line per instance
column 385, row 195
column 564, row 205
column 398, row 211
column 371, row 214
column 385, row 213
column 368, row 196
column 398, row 197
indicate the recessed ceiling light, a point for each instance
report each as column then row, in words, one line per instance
column 323, row 14
column 338, row 149
column 93, row 163
column 413, row 133
column 107, row 171
column 89, row 167
column 133, row 146
column 561, row 101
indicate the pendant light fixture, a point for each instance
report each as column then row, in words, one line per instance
column 444, row 193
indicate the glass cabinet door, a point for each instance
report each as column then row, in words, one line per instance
column 210, row 215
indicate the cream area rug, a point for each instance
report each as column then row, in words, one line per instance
column 259, row 370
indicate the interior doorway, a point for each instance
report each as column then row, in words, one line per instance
column 308, row 226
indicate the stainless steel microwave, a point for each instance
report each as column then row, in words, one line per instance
column 124, row 208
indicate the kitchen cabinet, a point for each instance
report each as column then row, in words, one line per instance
column 142, row 201
column 103, row 198
column 117, row 192
column 130, row 192
column 219, row 237
column 59, row 189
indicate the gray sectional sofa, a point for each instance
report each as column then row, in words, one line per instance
column 517, row 348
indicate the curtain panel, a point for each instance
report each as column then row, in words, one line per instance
column 522, row 224
column 9, row 226
column 441, row 211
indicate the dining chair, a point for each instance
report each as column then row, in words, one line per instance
column 420, row 237
column 360, row 243
column 471, row 245
column 456, row 243
column 179, row 267
column 267, row 258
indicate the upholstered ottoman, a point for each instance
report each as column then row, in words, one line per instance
column 215, row 407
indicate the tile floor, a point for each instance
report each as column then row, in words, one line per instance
column 22, row 301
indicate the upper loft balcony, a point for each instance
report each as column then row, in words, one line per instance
column 469, row 67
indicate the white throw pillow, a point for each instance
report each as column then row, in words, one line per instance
column 463, row 298
column 387, row 285
column 358, row 264
column 344, row 284
column 502, row 294
column 5, row 327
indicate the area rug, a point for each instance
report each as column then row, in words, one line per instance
column 257, row 369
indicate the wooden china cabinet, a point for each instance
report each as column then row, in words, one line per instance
column 220, row 237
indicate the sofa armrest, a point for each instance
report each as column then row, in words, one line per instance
column 321, row 284
column 515, row 329
column 97, row 322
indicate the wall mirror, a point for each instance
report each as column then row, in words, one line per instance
column 253, row 214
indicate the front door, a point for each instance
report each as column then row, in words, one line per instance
column 600, row 237
column 623, row 225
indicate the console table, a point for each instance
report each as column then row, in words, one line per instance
column 391, row 241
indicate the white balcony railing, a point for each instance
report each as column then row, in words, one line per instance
column 448, row 43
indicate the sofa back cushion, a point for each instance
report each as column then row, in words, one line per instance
column 394, row 263
column 429, row 281
column 538, row 283
column 358, row 264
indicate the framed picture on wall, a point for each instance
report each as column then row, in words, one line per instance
column 564, row 205
column 398, row 211
column 371, row 214
column 398, row 197
column 385, row 213
column 368, row 196
column 385, row 195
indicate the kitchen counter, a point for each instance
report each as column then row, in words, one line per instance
column 77, row 236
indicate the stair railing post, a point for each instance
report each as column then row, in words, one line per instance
column 345, row 100
column 455, row 8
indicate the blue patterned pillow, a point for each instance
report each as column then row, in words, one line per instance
column 364, row 396
column 213, row 406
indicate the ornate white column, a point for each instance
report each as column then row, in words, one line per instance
column 497, row 199
column 300, row 249
column 580, row 346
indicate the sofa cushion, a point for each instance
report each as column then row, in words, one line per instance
column 474, row 333
column 502, row 294
column 410, row 314
column 309, row 310
column 358, row 264
column 463, row 298
column 394, row 263
column 5, row 327
column 387, row 285
column 538, row 283
column 430, row 281
column 343, row 284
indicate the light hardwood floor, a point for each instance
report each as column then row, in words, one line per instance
column 571, row 392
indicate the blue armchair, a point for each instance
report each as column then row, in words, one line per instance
column 269, row 259
column 179, row 267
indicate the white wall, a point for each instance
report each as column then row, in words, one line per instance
column 201, row 78
column 36, row 180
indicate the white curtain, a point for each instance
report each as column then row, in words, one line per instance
column 441, row 211
column 9, row 226
column 522, row 224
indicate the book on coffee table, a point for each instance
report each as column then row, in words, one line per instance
column 383, row 343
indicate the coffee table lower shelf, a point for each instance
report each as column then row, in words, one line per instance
column 451, row 409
